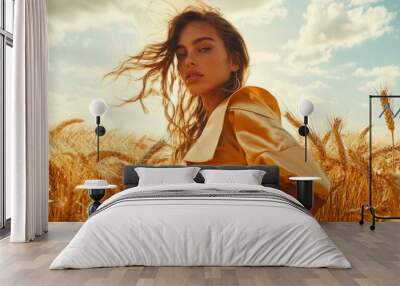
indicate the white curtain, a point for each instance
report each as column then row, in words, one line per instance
column 27, row 157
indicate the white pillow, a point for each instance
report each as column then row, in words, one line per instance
column 249, row 177
column 161, row 176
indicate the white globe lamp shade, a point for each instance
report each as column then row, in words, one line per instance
column 306, row 107
column 98, row 107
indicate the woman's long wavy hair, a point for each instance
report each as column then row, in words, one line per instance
column 184, row 112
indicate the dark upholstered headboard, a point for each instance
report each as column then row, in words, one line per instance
column 270, row 179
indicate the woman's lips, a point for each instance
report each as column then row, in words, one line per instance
column 193, row 77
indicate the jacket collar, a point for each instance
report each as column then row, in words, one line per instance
column 247, row 98
column 204, row 147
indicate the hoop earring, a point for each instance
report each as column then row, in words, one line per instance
column 237, row 82
column 236, row 86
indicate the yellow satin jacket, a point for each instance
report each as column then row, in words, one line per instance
column 246, row 129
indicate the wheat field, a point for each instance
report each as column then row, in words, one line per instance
column 343, row 157
column 72, row 160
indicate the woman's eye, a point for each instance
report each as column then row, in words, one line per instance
column 204, row 50
column 180, row 56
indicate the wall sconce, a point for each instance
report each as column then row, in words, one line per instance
column 97, row 108
column 305, row 108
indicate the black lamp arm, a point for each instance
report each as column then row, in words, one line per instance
column 99, row 131
column 303, row 131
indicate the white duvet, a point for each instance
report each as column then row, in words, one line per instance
column 200, row 231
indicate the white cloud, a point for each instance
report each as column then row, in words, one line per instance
column 363, row 2
column 265, row 57
column 236, row 6
column 333, row 24
column 388, row 71
column 78, row 16
column 146, row 16
column 301, row 71
column 317, row 85
column 289, row 92
column 80, row 71
column 253, row 11
column 309, row 55
column 384, row 76
column 341, row 26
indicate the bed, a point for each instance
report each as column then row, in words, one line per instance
column 201, row 224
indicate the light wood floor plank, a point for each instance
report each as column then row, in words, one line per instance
column 375, row 257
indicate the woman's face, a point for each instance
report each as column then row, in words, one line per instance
column 203, row 62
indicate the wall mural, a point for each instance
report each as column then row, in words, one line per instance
column 219, row 82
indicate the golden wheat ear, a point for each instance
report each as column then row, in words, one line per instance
column 152, row 150
column 385, row 103
column 60, row 127
column 388, row 113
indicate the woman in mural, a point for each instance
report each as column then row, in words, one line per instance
column 213, row 119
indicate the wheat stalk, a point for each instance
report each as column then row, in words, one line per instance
column 292, row 119
column 60, row 127
column 336, row 130
column 107, row 154
column 326, row 137
column 363, row 133
column 152, row 150
column 385, row 102
column 385, row 150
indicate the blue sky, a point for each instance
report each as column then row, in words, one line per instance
column 333, row 52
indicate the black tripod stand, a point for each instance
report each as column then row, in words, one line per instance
column 370, row 206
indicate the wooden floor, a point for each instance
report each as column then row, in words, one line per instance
column 375, row 256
